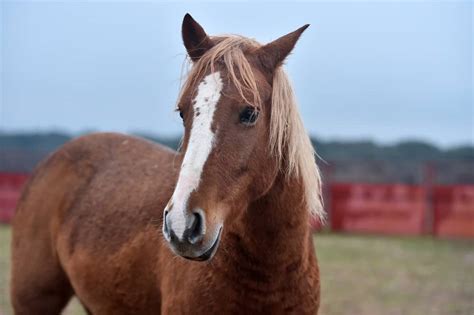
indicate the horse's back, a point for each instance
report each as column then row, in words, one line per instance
column 99, row 198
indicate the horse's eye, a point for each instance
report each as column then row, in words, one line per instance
column 249, row 116
column 181, row 114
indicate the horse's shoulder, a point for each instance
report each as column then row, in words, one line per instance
column 120, row 185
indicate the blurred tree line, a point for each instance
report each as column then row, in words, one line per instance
column 366, row 161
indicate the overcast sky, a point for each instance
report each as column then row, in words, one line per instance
column 386, row 71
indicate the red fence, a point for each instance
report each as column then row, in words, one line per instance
column 364, row 208
column 454, row 211
column 382, row 209
column 10, row 189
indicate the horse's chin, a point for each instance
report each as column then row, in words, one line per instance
column 208, row 253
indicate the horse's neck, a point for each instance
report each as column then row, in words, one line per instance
column 274, row 230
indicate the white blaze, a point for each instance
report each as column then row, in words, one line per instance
column 199, row 147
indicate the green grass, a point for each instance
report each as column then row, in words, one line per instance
column 366, row 275
column 389, row 275
column 4, row 268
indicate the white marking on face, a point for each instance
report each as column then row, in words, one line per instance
column 199, row 147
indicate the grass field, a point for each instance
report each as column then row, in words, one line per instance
column 368, row 275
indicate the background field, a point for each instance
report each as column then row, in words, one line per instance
column 367, row 275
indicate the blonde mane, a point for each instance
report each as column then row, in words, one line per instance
column 289, row 141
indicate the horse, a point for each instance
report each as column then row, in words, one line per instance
column 218, row 227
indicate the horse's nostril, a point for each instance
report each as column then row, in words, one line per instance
column 166, row 230
column 195, row 228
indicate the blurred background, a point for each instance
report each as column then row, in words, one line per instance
column 385, row 89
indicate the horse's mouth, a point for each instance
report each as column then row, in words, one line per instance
column 208, row 254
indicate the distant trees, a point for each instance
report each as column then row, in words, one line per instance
column 346, row 160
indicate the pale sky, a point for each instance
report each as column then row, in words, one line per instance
column 386, row 71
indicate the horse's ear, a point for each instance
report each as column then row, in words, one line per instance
column 195, row 38
column 273, row 54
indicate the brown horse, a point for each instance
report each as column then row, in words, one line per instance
column 122, row 223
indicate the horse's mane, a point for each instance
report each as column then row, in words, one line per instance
column 288, row 138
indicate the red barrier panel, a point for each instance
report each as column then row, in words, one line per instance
column 10, row 190
column 384, row 209
column 454, row 211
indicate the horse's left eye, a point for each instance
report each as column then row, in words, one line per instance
column 249, row 116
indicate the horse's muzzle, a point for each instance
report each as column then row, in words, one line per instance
column 187, row 238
